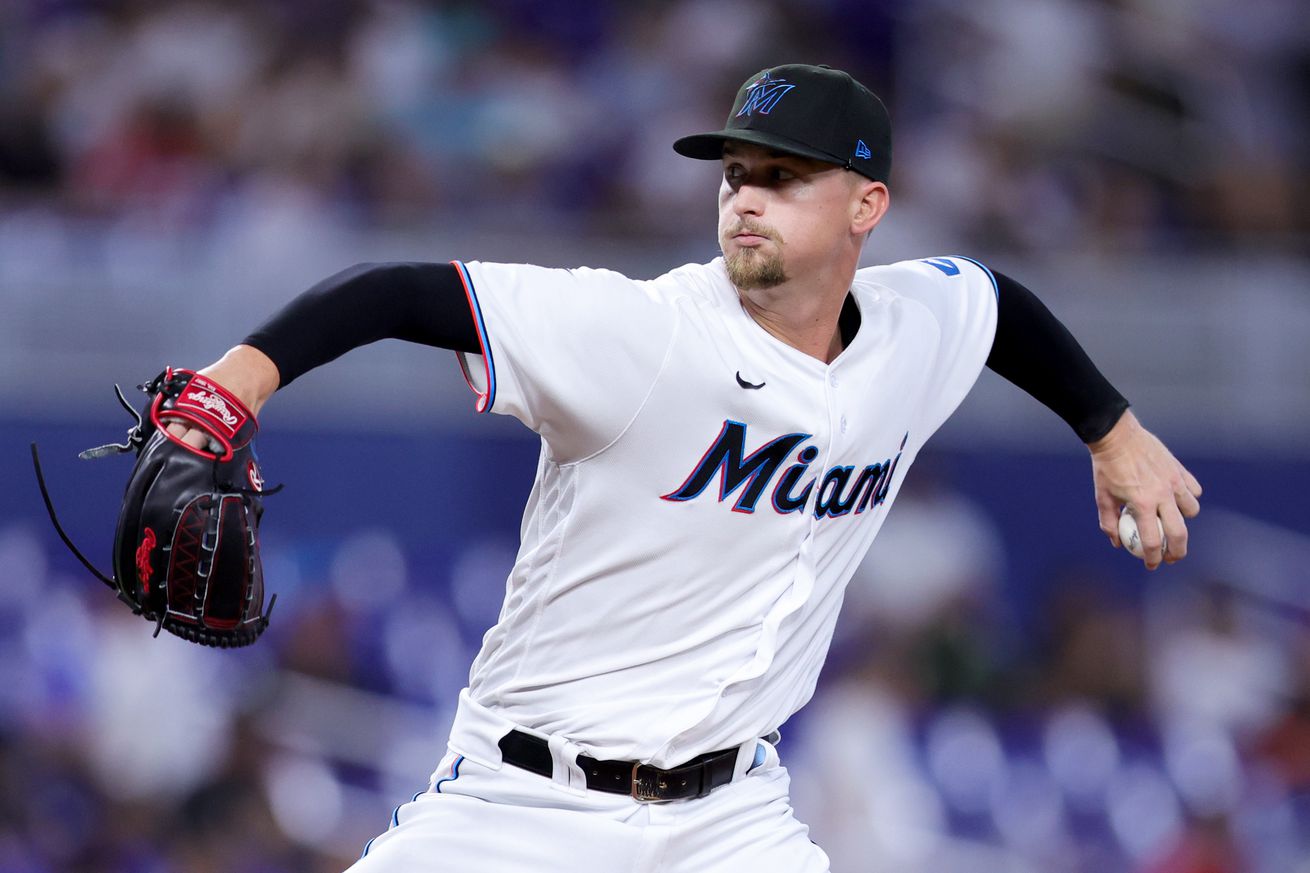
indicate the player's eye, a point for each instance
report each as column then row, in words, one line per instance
column 736, row 175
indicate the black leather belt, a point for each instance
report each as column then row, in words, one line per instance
column 697, row 778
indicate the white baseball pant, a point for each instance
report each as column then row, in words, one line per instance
column 483, row 816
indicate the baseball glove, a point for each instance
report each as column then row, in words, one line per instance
column 186, row 549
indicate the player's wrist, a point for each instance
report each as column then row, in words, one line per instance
column 247, row 373
column 1122, row 430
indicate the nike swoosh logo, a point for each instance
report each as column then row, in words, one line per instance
column 748, row 385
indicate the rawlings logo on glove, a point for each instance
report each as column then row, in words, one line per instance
column 199, row 510
column 216, row 405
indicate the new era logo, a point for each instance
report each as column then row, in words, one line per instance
column 862, row 150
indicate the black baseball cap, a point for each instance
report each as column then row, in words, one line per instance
column 812, row 111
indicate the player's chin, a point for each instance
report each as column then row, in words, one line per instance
column 751, row 269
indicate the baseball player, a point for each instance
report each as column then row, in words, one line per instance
column 719, row 447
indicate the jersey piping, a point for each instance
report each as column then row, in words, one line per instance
column 996, row 289
column 487, row 396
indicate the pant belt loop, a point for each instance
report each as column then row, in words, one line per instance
column 566, row 773
column 745, row 758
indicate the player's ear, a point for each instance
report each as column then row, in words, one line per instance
column 869, row 202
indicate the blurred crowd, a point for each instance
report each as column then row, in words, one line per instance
column 1111, row 730
column 1028, row 124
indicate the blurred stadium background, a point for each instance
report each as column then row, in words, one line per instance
column 1006, row 693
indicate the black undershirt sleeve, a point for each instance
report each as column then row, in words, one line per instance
column 419, row 302
column 1035, row 351
column 425, row 303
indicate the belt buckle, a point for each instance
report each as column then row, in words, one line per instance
column 647, row 783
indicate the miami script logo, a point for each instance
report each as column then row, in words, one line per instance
column 786, row 477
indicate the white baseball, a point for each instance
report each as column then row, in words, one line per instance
column 1128, row 533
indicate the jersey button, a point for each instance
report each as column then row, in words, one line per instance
column 832, row 380
column 843, row 424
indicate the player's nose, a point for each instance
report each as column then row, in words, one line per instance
column 748, row 200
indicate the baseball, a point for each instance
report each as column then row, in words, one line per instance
column 1128, row 533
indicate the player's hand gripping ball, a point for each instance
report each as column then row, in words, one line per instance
column 1131, row 538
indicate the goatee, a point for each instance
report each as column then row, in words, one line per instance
column 750, row 268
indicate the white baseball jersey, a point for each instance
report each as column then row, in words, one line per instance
column 704, row 490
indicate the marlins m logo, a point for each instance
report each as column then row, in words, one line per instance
column 763, row 94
